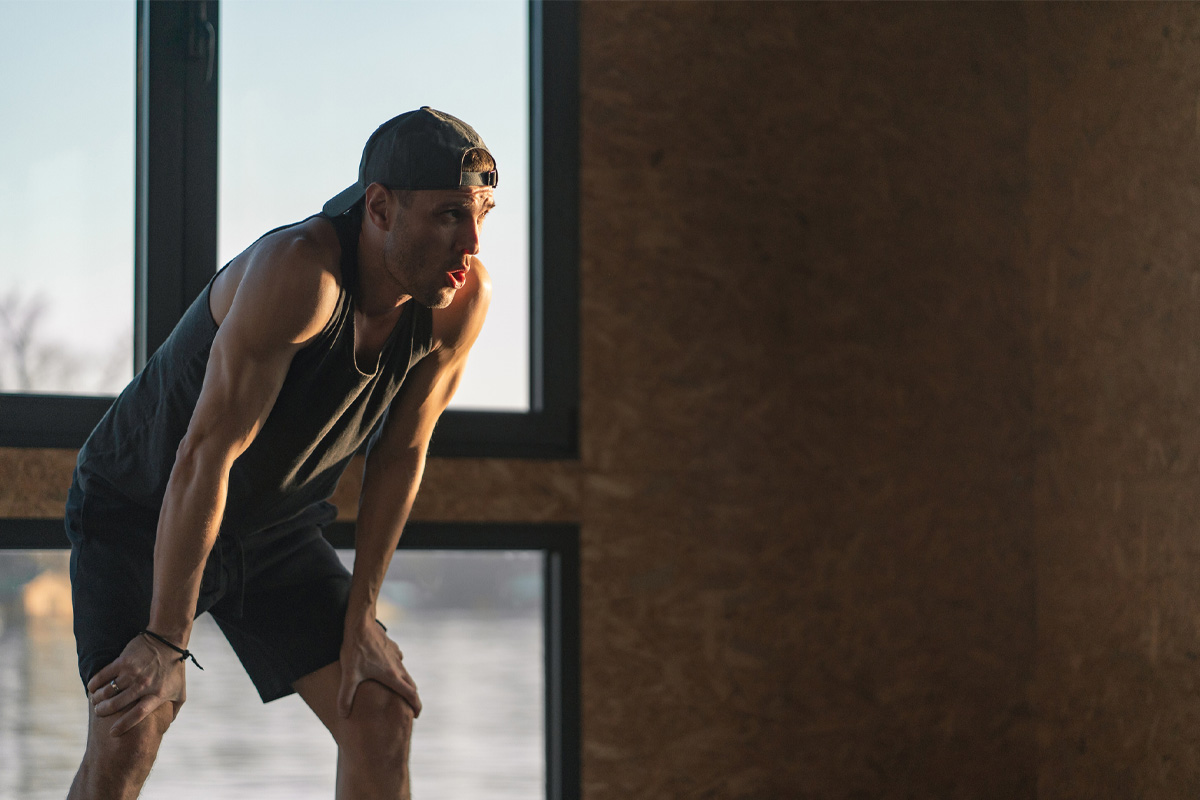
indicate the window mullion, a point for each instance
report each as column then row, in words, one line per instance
column 176, row 165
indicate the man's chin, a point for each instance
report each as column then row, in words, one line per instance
column 441, row 299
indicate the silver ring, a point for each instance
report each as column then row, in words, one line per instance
column 113, row 684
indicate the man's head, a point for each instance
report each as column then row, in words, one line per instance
column 425, row 241
column 420, row 150
column 426, row 182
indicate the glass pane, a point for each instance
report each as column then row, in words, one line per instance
column 66, row 196
column 305, row 82
column 470, row 626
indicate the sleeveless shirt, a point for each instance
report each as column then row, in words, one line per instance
column 325, row 411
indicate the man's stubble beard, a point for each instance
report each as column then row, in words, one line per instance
column 401, row 265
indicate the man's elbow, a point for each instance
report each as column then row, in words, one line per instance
column 404, row 458
column 202, row 452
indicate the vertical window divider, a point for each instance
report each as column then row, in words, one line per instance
column 176, row 163
column 561, row 609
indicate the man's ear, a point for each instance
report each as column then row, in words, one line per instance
column 379, row 206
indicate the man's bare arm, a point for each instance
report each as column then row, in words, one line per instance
column 390, row 481
column 283, row 300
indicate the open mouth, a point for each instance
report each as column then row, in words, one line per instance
column 457, row 278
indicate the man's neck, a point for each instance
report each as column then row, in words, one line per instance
column 378, row 293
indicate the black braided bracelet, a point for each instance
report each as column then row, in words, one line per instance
column 184, row 655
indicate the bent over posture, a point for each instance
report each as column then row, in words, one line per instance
column 204, row 487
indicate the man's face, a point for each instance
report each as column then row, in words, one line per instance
column 428, row 250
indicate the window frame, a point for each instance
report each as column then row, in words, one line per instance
column 175, row 232
column 559, row 545
column 175, row 236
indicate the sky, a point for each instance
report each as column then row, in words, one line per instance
column 303, row 84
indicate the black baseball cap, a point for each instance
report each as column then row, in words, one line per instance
column 422, row 149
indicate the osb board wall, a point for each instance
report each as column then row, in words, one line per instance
column 807, row 407
column 1114, row 232
column 33, row 483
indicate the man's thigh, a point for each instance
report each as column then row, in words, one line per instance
column 112, row 575
column 288, row 619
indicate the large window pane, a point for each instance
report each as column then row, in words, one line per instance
column 66, row 196
column 470, row 626
column 304, row 83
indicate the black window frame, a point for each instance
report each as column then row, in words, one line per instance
column 559, row 545
column 175, row 231
column 175, row 253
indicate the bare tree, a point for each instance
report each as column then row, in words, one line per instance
column 116, row 365
column 29, row 362
column 19, row 319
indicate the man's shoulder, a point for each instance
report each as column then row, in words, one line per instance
column 457, row 325
column 310, row 247
column 290, row 280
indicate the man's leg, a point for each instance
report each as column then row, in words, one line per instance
column 115, row 767
column 112, row 559
column 372, row 742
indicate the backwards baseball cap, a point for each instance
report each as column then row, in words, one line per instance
column 422, row 149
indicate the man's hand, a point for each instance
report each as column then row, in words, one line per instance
column 369, row 655
column 145, row 676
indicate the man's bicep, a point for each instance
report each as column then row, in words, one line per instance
column 240, row 387
column 250, row 357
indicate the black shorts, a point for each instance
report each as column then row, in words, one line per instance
column 279, row 595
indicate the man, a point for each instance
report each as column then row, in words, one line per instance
column 204, row 487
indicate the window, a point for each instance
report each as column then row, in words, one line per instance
column 179, row 205
column 66, row 197
column 305, row 83
column 173, row 67
column 480, row 625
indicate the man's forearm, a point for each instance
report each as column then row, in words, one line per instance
column 187, row 528
column 389, row 488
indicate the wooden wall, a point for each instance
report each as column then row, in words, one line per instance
column 1114, row 238
column 889, row 360
column 808, row 402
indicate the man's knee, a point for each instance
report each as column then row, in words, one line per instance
column 380, row 725
column 132, row 753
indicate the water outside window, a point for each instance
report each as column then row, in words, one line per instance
column 66, row 196
column 303, row 83
column 470, row 626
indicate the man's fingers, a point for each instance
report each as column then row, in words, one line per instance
column 135, row 715
column 103, row 677
column 402, row 684
column 414, row 701
column 346, row 694
column 113, row 701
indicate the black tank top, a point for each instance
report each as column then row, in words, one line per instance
column 325, row 411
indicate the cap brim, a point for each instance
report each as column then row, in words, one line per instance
column 343, row 201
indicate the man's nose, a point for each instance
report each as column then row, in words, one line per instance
column 470, row 239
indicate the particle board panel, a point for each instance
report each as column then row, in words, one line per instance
column 807, row 405
column 1115, row 293
column 34, row 483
